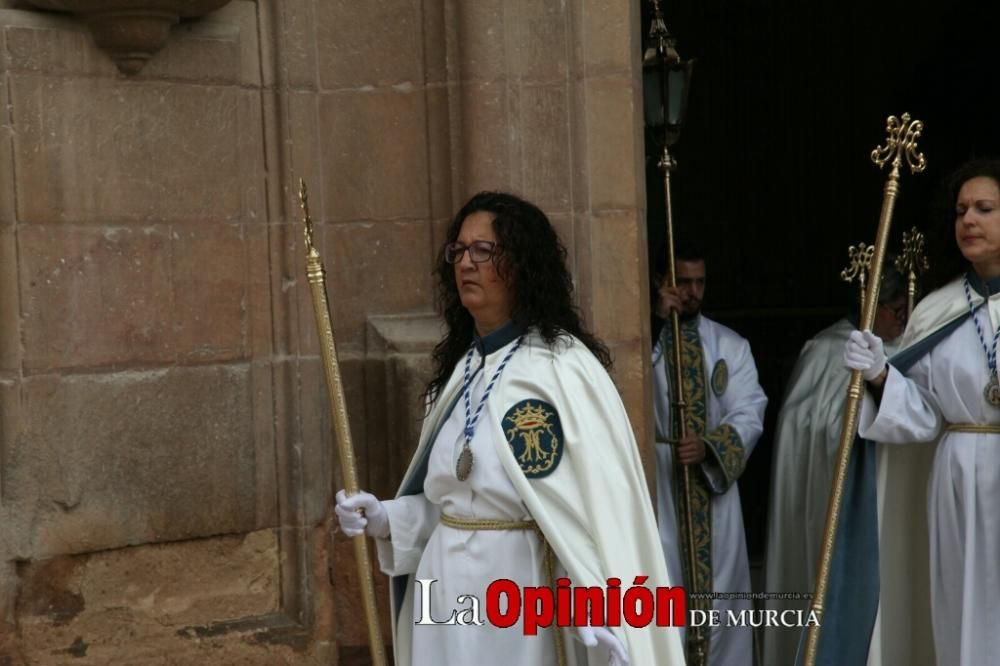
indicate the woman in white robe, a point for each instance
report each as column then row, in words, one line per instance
column 942, row 398
column 525, row 431
column 806, row 440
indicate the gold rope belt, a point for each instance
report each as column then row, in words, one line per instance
column 973, row 427
column 548, row 557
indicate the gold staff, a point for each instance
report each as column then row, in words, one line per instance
column 338, row 407
column 911, row 263
column 861, row 260
column 663, row 56
column 901, row 142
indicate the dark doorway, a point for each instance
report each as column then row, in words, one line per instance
column 775, row 177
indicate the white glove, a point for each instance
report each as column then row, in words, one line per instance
column 360, row 514
column 865, row 352
column 594, row 636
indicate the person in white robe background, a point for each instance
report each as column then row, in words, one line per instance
column 944, row 409
column 526, row 447
column 724, row 421
column 806, row 441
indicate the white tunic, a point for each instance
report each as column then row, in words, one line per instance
column 806, row 444
column 962, row 494
column 741, row 406
column 466, row 562
column 593, row 507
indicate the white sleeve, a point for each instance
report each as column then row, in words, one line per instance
column 908, row 411
column 412, row 519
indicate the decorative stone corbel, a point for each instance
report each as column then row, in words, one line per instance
column 131, row 31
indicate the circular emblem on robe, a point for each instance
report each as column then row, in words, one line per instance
column 535, row 436
column 720, row 377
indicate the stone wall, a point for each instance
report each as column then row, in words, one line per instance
column 166, row 466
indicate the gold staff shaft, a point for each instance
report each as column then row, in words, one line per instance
column 338, row 408
column 696, row 637
column 902, row 137
column 911, row 293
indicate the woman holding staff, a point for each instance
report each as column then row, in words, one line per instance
column 942, row 389
column 526, row 465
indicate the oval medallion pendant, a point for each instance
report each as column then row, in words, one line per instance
column 992, row 392
column 464, row 465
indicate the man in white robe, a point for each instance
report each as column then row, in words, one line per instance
column 724, row 420
column 804, row 460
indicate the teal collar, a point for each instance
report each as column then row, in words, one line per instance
column 984, row 288
column 499, row 338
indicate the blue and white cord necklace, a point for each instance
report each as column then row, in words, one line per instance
column 464, row 465
column 992, row 390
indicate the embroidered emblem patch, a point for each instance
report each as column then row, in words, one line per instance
column 720, row 377
column 535, row 436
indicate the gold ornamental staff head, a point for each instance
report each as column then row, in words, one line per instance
column 901, row 142
column 860, row 257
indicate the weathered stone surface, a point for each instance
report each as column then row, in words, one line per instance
column 292, row 38
column 53, row 42
column 10, row 426
column 265, row 439
column 260, row 269
column 375, row 154
column 10, row 315
column 352, row 629
column 210, row 273
column 543, row 143
column 210, row 580
column 631, row 374
column 130, row 34
column 394, row 115
column 614, row 152
column 308, row 161
column 485, row 138
column 318, row 443
column 440, row 146
column 125, row 295
column 618, row 263
column 6, row 160
column 397, row 369
column 221, row 47
column 605, row 38
column 440, row 40
column 161, row 604
column 157, row 141
column 94, row 296
column 482, row 47
column 537, row 39
column 369, row 43
column 380, row 268
column 134, row 457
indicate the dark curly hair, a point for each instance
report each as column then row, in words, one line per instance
column 532, row 262
column 984, row 167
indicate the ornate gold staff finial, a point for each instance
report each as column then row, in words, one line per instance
column 901, row 140
column 912, row 263
column 306, row 218
column 338, row 409
column 860, row 256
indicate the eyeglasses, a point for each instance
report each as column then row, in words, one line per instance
column 899, row 311
column 479, row 251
